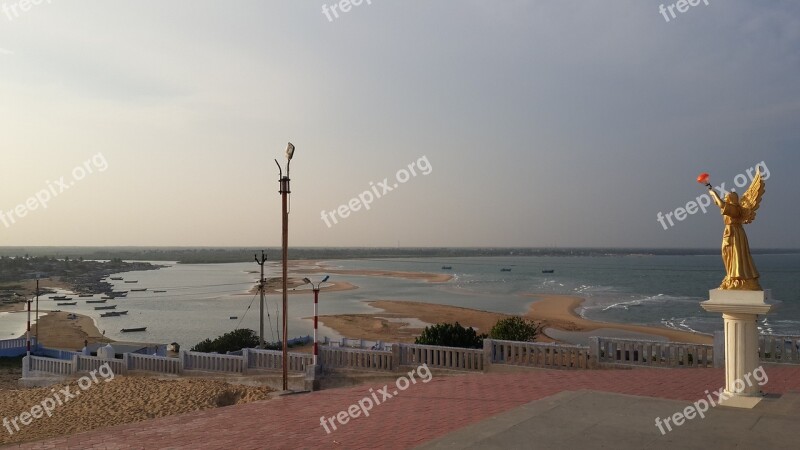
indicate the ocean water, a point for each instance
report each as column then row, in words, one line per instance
column 644, row 289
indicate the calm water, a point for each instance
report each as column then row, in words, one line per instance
column 663, row 290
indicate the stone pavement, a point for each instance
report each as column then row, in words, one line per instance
column 425, row 412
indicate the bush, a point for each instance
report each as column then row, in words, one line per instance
column 450, row 335
column 515, row 329
column 229, row 342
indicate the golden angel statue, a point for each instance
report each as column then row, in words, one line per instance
column 741, row 272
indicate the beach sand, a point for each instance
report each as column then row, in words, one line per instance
column 554, row 311
column 559, row 311
column 117, row 401
column 56, row 330
column 375, row 326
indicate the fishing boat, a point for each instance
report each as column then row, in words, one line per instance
column 107, row 298
column 85, row 295
column 505, row 269
column 158, row 292
column 96, row 301
column 62, row 299
column 58, row 297
column 131, row 281
column 548, row 271
column 138, row 290
column 114, row 314
column 132, row 330
column 67, row 304
column 234, row 317
column 447, row 267
column 116, row 278
column 119, row 293
column 98, row 308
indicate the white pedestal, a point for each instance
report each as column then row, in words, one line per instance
column 740, row 310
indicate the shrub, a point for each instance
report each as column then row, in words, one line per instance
column 515, row 329
column 450, row 335
column 229, row 342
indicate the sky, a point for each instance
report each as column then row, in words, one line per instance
column 525, row 123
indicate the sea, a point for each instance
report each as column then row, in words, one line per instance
column 207, row 300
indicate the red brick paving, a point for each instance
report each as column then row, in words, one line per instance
column 421, row 413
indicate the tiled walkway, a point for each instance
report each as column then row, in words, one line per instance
column 419, row 414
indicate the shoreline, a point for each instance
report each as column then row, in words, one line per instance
column 402, row 321
column 559, row 312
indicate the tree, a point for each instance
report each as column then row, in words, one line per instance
column 515, row 328
column 229, row 342
column 450, row 335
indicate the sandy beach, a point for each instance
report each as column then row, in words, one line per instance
column 117, row 401
column 559, row 311
column 553, row 311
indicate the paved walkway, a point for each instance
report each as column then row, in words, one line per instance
column 418, row 415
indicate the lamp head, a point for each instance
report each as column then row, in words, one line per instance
column 325, row 279
column 289, row 151
column 306, row 281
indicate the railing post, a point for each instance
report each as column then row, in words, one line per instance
column 182, row 361
column 594, row 352
column 396, row 357
column 487, row 354
column 126, row 362
column 719, row 349
column 26, row 367
column 246, row 358
column 74, row 364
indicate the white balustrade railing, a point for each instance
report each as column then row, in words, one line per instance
column 272, row 360
column 147, row 363
column 532, row 354
column 441, row 357
column 628, row 352
column 351, row 358
column 779, row 348
column 49, row 366
column 211, row 362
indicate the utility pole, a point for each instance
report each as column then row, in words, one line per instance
column 261, row 307
column 285, row 191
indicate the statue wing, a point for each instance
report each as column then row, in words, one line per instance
column 751, row 199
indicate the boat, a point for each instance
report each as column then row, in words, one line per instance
column 116, row 278
column 85, row 295
column 234, row 317
column 131, row 281
column 138, row 290
column 67, row 304
column 96, row 301
column 119, row 293
column 505, row 269
column 158, row 292
column 132, row 330
column 120, row 313
column 98, row 308
column 548, row 271
column 447, row 267
column 114, row 314
column 107, row 298
column 58, row 297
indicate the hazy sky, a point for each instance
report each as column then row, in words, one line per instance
column 540, row 123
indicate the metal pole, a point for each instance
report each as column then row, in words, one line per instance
column 261, row 305
column 37, row 310
column 284, row 198
column 29, row 327
column 316, row 302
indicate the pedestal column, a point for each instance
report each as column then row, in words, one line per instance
column 740, row 310
column 741, row 353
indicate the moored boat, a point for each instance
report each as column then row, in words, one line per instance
column 138, row 290
column 548, row 271
column 67, row 304
column 132, row 330
column 98, row 308
column 96, row 301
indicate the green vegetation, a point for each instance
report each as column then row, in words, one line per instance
column 515, row 329
column 450, row 335
column 229, row 342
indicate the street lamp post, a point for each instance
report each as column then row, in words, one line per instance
column 285, row 191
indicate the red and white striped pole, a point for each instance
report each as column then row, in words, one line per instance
column 29, row 327
column 316, row 303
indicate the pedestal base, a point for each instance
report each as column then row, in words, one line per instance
column 740, row 310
